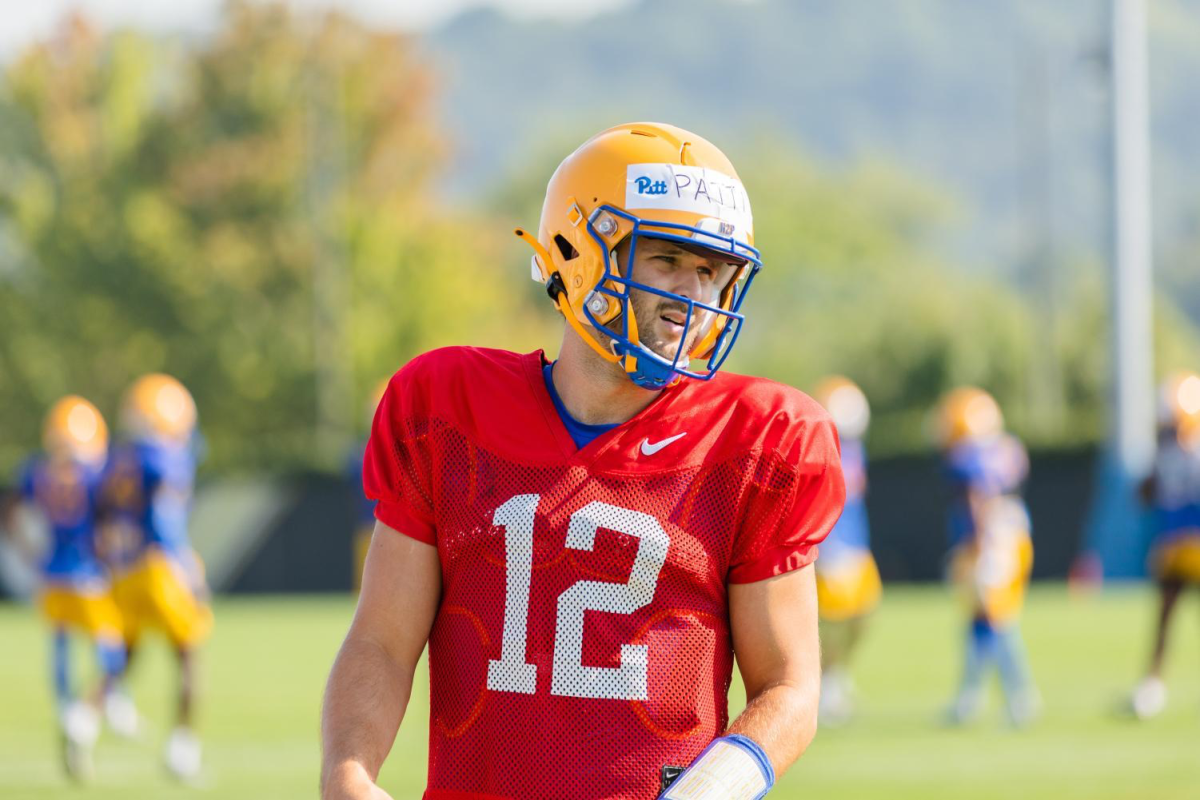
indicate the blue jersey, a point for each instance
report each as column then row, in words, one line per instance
column 1176, row 501
column 147, row 495
column 851, row 535
column 65, row 492
column 988, row 468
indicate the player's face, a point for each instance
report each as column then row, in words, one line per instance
column 661, row 321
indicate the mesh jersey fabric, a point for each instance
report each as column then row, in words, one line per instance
column 582, row 642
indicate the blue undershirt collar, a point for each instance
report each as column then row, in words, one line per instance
column 581, row 434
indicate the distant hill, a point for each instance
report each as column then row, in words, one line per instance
column 1004, row 102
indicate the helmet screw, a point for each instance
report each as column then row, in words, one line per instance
column 578, row 281
column 597, row 303
column 606, row 225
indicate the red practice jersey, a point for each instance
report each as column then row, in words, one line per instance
column 583, row 641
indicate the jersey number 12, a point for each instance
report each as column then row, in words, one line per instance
column 571, row 678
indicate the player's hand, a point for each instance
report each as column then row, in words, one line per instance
column 351, row 782
column 366, row 792
column 732, row 767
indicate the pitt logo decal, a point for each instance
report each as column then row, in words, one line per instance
column 647, row 186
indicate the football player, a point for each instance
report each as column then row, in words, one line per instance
column 586, row 543
column 61, row 484
column 1173, row 493
column 848, row 586
column 991, row 553
column 159, row 580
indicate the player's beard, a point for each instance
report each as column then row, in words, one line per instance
column 657, row 335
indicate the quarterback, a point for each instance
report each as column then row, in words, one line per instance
column 585, row 545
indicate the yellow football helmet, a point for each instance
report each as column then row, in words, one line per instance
column 1179, row 400
column 968, row 413
column 374, row 401
column 75, row 429
column 846, row 403
column 644, row 180
column 158, row 406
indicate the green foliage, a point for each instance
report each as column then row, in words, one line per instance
column 255, row 216
column 262, row 214
column 852, row 285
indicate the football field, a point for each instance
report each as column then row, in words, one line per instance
column 265, row 668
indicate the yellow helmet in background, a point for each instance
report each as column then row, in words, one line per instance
column 846, row 403
column 1189, row 431
column 637, row 180
column 75, row 429
column 968, row 413
column 1179, row 401
column 375, row 399
column 158, row 406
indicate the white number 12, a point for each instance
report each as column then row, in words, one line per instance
column 570, row 676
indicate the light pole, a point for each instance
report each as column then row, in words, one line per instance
column 1115, row 525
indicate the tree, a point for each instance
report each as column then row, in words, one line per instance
column 257, row 215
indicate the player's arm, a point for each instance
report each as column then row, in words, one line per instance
column 774, row 625
column 977, row 502
column 1147, row 489
column 14, row 527
column 369, row 686
column 8, row 512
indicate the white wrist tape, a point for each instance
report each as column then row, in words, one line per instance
column 731, row 768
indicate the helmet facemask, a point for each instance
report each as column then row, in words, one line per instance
column 710, row 325
column 626, row 184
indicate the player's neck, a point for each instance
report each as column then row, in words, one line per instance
column 595, row 391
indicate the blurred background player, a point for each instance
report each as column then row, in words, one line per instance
column 159, row 580
column 61, row 486
column 1173, row 493
column 364, row 507
column 991, row 553
column 848, row 586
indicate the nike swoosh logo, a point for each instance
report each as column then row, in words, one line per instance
column 650, row 449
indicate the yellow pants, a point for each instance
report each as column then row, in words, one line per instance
column 849, row 589
column 162, row 593
column 1177, row 559
column 93, row 612
column 993, row 583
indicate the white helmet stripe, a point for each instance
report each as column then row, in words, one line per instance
column 696, row 190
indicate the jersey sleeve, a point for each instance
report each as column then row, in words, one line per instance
column 397, row 466
column 789, row 509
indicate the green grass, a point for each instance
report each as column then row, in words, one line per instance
column 266, row 665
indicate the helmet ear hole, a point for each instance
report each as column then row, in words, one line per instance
column 567, row 249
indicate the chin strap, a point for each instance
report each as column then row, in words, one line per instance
column 644, row 371
column 558, row 294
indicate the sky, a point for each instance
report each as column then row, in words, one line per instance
column 25, row 22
